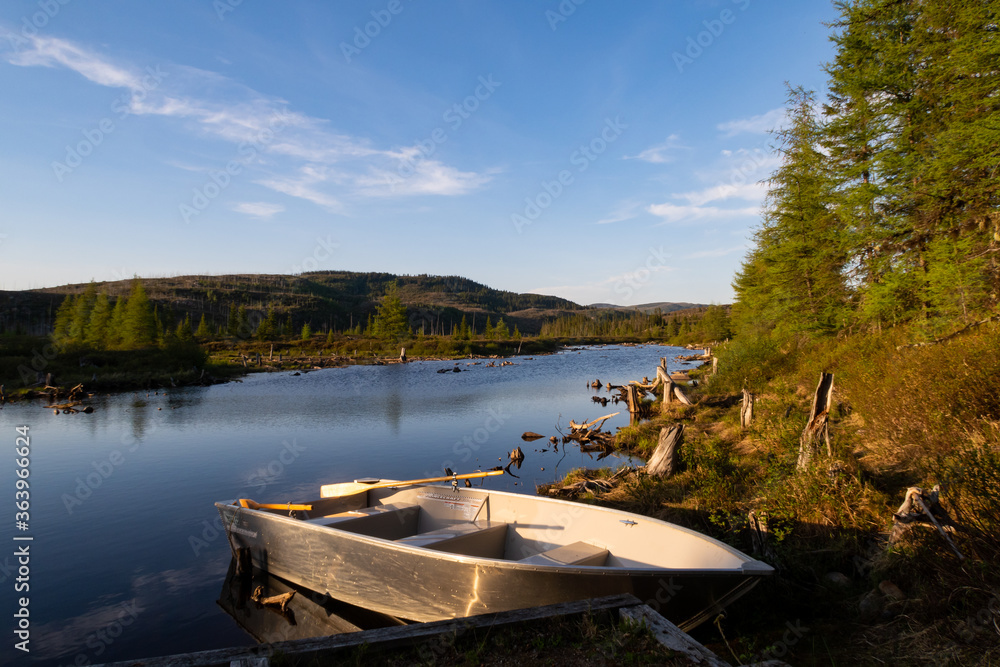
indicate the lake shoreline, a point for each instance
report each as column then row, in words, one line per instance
column 221, row 363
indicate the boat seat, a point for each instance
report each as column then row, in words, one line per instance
column 484, row 539
column 578, row 553
column 389, row 522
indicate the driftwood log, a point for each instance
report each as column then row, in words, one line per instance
column 664, row 461
column 279, row 601
column 746, row 409
column 818, row 427
column 599, row 421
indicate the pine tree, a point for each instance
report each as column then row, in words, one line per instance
column 81, row 314
column 501, row 331
column 64, row 317
column 232, row 322
column 488, row 331
column 306, row 332
column 203, row 331
column 116, row 328
column 793, row 279
column 100, row 321
column 139, row 323
column 184, row 332
column 390, row 320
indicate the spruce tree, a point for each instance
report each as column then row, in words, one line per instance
column 100, row 321
column 203, row 331
column 793, row 279
column 390, row 320
column 139, row 323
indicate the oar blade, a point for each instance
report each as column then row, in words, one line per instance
column 342, row 489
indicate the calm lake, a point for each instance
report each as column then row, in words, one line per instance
column 126, row 558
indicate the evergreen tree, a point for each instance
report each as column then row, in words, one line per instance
column 82, row 307
column 306, row 332
column 184, row 332
column 64, row 317
column 390, row 320
column 203, row 331
column 793, row 279
column 501, row 331
column 139, row 323
column 232, row 322
column 116, row 329
column 100, row 321
column 488, row 331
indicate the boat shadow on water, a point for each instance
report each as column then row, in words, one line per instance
column 305, row 615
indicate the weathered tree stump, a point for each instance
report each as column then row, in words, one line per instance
column 664, row 461
column 402, row 355
column 818, row 427
column 746, row 410
column 663, row 378
column 922, row 508
column 633, row 398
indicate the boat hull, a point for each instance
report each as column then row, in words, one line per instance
column 427, row 585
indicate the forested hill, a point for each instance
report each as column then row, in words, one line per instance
column 326, row 300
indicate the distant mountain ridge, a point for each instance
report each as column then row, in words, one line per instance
column 662, row 306
column 325, row 299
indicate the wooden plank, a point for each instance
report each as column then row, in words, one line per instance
column 323, row 648
column 672, row 637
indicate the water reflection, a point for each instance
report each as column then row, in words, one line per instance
column 307, row 614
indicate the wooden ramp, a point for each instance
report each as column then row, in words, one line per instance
column 438, row 633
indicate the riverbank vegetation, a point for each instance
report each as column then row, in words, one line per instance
column 878, row 260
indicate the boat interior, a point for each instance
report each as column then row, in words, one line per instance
column 514, row 527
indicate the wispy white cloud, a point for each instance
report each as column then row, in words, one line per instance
column 659, row 153
column 759, row 124
column 753, row 192
column 428, row 177
column 258, row 209
column 625, row 211
column 672, row 213
column 717, row 252
column 304, row 156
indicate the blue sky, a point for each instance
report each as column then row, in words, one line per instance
column 602, row 152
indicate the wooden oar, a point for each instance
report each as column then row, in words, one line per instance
column 350, row 488
column 251, row 505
